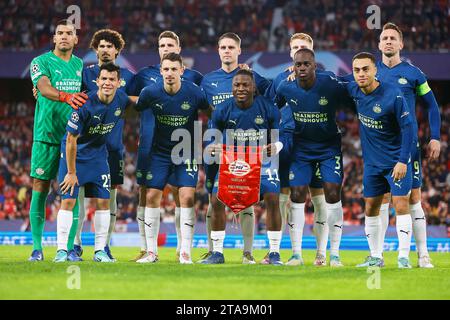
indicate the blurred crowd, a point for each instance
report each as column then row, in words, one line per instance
column 339, row 24
column 16, row 123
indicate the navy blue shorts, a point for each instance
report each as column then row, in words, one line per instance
column 115, row 161
column 316, row 179
column 378, row 181
column 329, row 170
column 161, row 168
column 143, row 160
column 94, row 176
column 416, row 167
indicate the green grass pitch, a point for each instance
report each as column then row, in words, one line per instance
column 167, row 279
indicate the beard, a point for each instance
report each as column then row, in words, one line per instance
column 389, row 54
column 65, row 49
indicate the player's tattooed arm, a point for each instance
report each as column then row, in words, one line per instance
column 70, row 180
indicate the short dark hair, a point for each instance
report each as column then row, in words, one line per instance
column 230, row 35
column 65, row 22
column 110, row 67
column 306, row 50
column 393, row 26
column 245, row 72
column 110, row 36
column 364, row 55
column 172, row 57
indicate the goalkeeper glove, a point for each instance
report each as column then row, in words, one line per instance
column 75, row 100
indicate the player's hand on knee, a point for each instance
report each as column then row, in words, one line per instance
column 69, row 182
column 35, row 93
column 434, row 149
column 75, row 100
column 399, row 171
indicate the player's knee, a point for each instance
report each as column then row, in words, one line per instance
column 387, row 198
column 102, row 204
column 68, row 204
column 333, row 194
column 415, row 196
column 401, row 204
column 298, row 194
column 316, row 191
column 142, row 196
column 41, row 185
column 153, row 198
column 272, row 200
column 216, row 204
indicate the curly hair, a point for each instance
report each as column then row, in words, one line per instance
column 110, row 36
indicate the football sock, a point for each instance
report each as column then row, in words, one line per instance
column 74, row 227
column 152, row 218
column 284, row 200
column 274, row 240
column 113, row 214
column 384, row 216
column 81, row 215
column 404, row 233
column 419, row 224
column 187, row 222
column 101, row 226
column 320, row 226
column 208, row 226
column 335, row 225
column 247, row 220
column 217, row 238
column 177, row 227
column 372, row 229
column 37, row 217
column 141, row 219
column 296, row 222
column 63, row 224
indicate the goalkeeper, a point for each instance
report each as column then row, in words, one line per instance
column 57, row 76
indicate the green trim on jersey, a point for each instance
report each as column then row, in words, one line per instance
column 423, row 89
column 50, row 117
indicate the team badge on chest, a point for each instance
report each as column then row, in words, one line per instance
column 376, row 108
column 185, row 105
column 323, row 101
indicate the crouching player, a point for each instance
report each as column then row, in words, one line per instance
column 84, row 159
column 248, row 113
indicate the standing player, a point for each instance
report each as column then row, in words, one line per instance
column 412, row 83
column 84, row 159
column 57, row 76
column 174, row 104
column 218, row 89
column 168, row 42
column 107, row 45
column 386, row 132
column 247, row 113
column 300, row 41
column 313, row 99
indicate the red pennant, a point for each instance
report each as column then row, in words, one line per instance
column 239, row 177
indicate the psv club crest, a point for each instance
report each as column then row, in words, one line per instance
column 239, row 168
